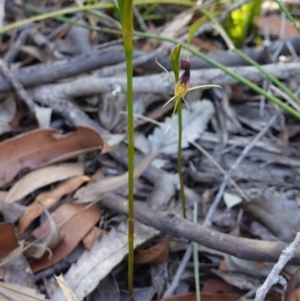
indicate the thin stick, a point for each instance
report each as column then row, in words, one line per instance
column 17, row 86
column 176, row 278
column 228, row 175
column 273, row 277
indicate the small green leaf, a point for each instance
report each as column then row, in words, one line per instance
column 175, row 56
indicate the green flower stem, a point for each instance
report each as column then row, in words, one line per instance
column 126, row 18
column 179, row 156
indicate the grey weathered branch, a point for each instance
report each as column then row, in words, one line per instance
column 169, row 223
column 159, row 83
column 46, row 73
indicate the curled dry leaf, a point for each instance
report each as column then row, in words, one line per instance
column 77, row 223
column 158, row 253
column 42, row 177
column 42, row 146
column 49, row 199
column 8, row 239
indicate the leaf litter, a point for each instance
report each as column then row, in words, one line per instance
column 49, row 212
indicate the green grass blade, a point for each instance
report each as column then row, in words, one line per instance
column 288, row 14
column 196, row 257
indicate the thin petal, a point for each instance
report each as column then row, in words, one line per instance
column 169, row 101
column 204, row 87
column 162, row 67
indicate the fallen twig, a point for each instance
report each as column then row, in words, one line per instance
column 159, row 83
column 170, row 223
column 274, row 277
column 19, row 89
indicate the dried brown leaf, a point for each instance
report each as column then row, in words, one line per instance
column 8, row 239
column 91, row 237
column 42, row 177
column 158, row 253
column 48, row 199
column 79, row 223
column 42, row 146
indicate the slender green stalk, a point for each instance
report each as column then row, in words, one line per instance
column 213, row 63
column 179, row 158
column 288, row 14
column 126, row 16
column 175, row 57
column 196, row 257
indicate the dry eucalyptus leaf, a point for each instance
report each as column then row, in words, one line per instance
column 69, row 295
column 8, row 239
column 83, row 276
column 93, row 191
column 43, row 146
column 194, row 123
column 157, row 254
column 42, row 177
column 49, row 199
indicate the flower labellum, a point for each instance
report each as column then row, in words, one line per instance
column 183, row 84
